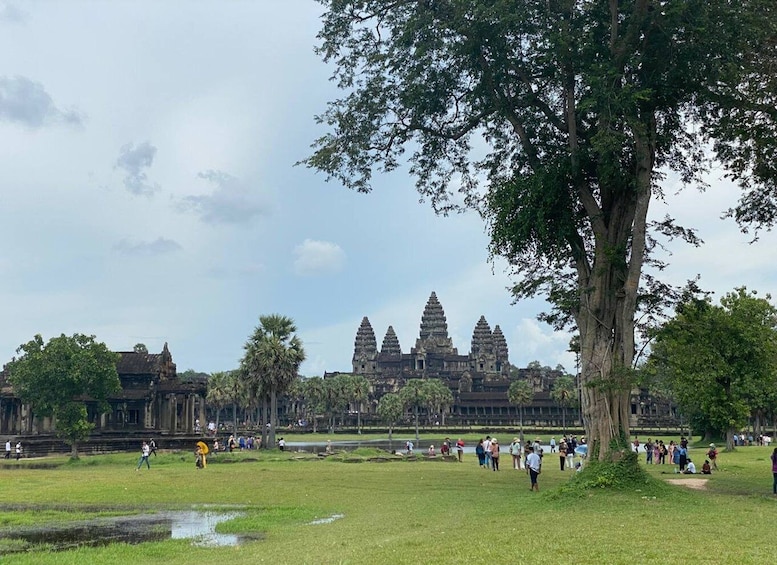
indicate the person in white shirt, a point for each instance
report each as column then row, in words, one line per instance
column 8, row 449
column 690, row 468
column 534, row 464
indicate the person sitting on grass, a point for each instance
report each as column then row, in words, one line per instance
column 690, row 468
column 705, row 468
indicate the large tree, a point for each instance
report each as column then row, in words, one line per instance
column 720, row 361
column 273, row 355
column 557, row 120
column 390, row 410
column 59, row 377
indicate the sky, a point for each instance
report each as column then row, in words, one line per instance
column 149, row 194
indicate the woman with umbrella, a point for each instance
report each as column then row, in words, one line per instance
column 202, row 450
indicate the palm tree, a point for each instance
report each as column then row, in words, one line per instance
column 313, row 392
column 218, row 392
column 359, row 389
column 438, row 397
column 564, row 394
column 521, row 394
column 272, row 358
column 413, row 395
column 390, row 410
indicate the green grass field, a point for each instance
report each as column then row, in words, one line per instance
column 401, row 511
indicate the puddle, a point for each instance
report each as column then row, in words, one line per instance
column 195, row 525
column 328, row 520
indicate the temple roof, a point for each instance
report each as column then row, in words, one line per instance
column 500, row 343
column 482, row 339
column 134, row 363
column 390, row 345
column 365, row 342
column 433, row 321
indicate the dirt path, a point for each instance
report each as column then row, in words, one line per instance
column 698, row 484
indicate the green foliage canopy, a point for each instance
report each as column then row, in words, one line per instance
column 58, row 378
column 720, row 361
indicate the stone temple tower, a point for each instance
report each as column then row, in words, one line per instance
column 433, row 337
column 365, row 349
column 488, row 353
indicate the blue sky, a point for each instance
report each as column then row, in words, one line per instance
column 149, row 194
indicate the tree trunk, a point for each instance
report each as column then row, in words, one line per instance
column 264, row 421
column 359, row 419
column 273, row 416
column 74, row 450
column 520, row 423
column 415, row 414
column 234, row 419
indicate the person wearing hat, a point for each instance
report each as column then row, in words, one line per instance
column 712, row 455
column 515, row 451
column 495, row 454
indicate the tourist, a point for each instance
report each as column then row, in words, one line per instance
column 774, row 470
column 480, row 451
column 690, row 468
column 460, row 449
column 18, row 450
column 515, row 452
column 649, row 452
column 197, row 427
column 494, row 454
column 8, row 449
column 636, row 445
column 145, row 451
column 487, row 448
column 409, row 447
column 430, row 452
column 562, row 453
column 705, row 468
column 656, row 452
column 152, row 446
column 553, row 445
column 662, row 451
column 534, row 466
column 329, row 446
column 528, row 448
column 537, row 447
column 282, row 444
column 216, row 446
column 198, row 456
column 712, row 454
column 683, row 460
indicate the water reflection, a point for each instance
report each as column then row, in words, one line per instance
column 195, row 525
column 327, row 520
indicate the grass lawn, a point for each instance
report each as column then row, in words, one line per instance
column 403, row 511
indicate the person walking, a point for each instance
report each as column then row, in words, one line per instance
column 562, row 453
column 8, row 449
column 145, row 451
column 152, row 446
column 712, row 455
column 18, row 450
column 480, row 451
column 534, row 466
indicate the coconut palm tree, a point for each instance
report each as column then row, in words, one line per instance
column 359, row 390
column 414, row 396
column 564, row 394
column 521, row 394
column 273, row 354
column 218, row 394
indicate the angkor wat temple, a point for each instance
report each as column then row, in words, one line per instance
column 478, row 380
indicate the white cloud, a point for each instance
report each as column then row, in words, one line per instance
column 230, row 202
column 318, row 258
column 159, row 246
column 10, row 12
column 134, row 161
column 26, row 102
